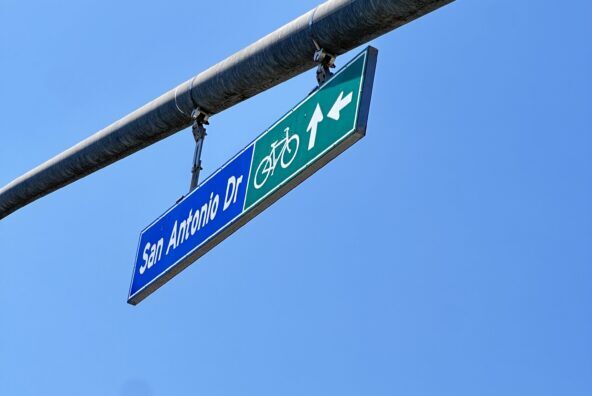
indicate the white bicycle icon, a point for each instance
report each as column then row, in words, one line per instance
column 288, row 144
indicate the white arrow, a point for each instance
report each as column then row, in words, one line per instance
column 317, row 117
column 339, row 104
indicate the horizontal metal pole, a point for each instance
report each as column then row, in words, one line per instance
column 337, row 26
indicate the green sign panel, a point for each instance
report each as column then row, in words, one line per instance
column 335, row 112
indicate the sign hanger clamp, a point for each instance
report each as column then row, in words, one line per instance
column 200, row 118
column 326, row 61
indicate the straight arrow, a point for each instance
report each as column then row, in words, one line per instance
column 317, row 117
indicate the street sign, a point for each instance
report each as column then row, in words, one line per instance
column 323, row 125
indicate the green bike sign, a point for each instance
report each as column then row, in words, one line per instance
column 321, row 126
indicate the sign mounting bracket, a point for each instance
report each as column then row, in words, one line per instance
column 326, row 61
column 200, row 118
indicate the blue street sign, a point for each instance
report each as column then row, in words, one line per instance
column 191, row 223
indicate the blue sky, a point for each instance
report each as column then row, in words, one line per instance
column 446, row 253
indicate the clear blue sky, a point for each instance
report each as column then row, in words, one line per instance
column 447, row 253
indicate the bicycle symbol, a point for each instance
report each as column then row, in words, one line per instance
column 288, row 144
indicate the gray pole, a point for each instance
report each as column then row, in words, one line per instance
column 337, row 26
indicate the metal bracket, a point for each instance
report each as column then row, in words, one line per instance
column 326, row 61
column 200, row 118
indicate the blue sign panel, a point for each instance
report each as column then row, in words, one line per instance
column 191, row 223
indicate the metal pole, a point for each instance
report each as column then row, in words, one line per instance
column 337, row 26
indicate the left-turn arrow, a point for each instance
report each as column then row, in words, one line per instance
column 339, row 104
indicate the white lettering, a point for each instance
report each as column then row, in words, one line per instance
column 154, row 256
column 203, row 215
column 182, row 230
column 214, row 207
column 238, row 182
column 145, row 257
column 173, row 239
column 159, row 246
column 194, row 223
column 229, row 192
column 188, row 224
